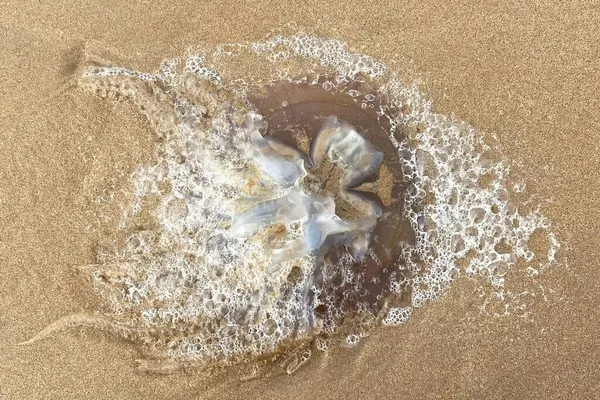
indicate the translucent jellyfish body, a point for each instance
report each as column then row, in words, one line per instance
column 321, row 228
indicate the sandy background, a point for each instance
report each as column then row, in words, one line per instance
column 529, row 74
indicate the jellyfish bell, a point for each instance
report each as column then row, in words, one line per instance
column 354, row 162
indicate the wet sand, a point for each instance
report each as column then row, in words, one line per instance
column 528, row 74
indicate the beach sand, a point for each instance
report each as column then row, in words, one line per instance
column 526, row 73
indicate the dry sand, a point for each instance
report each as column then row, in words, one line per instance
column 528, row 73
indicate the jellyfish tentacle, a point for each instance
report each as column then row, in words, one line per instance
column 359, row 246
column 291, row 207
column 362, row 202
column 283, row 209
column 286, row 149
column 284, row 170
column 340, row 139
column 290, row 250
column 322, row 232
column 320, row 144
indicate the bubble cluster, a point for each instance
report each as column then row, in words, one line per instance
column 460, row 207
column 330, row 53
column 397, row 315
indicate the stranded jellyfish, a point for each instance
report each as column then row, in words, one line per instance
column 293, row 212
